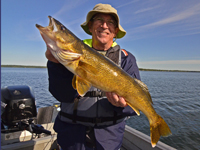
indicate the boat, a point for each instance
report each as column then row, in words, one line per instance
column 36, row 132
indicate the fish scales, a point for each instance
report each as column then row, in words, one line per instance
column 93, row 69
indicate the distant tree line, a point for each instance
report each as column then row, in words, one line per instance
column 141, row 69
column 22, row 66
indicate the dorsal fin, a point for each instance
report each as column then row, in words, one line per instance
column 145, row 88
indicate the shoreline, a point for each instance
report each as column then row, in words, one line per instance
column 22, row 66
column 141, row 69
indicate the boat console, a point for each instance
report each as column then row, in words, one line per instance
column 20, row 121
column 18, row 110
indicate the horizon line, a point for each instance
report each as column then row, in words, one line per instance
column 141, row 69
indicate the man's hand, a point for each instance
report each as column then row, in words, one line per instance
column 50, row 57
column 113, row 98
column 116, row 100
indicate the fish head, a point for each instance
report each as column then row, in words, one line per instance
column 62, row 43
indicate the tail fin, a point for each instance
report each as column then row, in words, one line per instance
column 159, row 128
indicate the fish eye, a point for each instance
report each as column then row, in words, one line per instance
column 63, row 27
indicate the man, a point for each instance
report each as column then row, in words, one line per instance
column 97, row 120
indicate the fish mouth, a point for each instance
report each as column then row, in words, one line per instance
column 52, row 24
column 48, row 34
column 51, row 27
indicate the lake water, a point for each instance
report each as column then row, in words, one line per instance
column 176, row 97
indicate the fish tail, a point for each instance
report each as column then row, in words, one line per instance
column 158, row 128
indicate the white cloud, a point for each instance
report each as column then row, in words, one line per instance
column 171, row 19
column 172, row 62
column 190, row 65
column 69, row 5
column 146, row 9
column 126, row 4
column 176, row 17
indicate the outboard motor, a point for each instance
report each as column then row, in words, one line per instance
column 18, row 110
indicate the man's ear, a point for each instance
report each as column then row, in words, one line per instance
column 116, row 31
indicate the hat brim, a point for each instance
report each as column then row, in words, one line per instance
column 121, row 33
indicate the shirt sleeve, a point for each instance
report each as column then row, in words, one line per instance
column 60, row 82
column 129, row 65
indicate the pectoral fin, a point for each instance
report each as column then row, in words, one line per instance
column 82, row 86
column 88, row 68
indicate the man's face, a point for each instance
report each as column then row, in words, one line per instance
column 103, row 28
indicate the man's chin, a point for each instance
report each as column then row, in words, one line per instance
column 102, row 40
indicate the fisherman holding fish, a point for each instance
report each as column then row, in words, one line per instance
column 97, row 120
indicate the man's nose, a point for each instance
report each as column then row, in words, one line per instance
column 104, row 25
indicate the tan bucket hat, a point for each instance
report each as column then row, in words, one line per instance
column 106, row 9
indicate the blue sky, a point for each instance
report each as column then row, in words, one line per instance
column 162, row 34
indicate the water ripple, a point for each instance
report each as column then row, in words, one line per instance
column 176, row 97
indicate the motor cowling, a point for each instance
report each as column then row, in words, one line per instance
column 17, row 104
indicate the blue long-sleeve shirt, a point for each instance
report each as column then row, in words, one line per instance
column 60, row 86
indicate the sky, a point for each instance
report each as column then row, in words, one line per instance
column 161, row 34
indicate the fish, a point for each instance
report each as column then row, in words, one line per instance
column 91, row 68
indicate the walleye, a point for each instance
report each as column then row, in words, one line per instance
column 92, row 69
